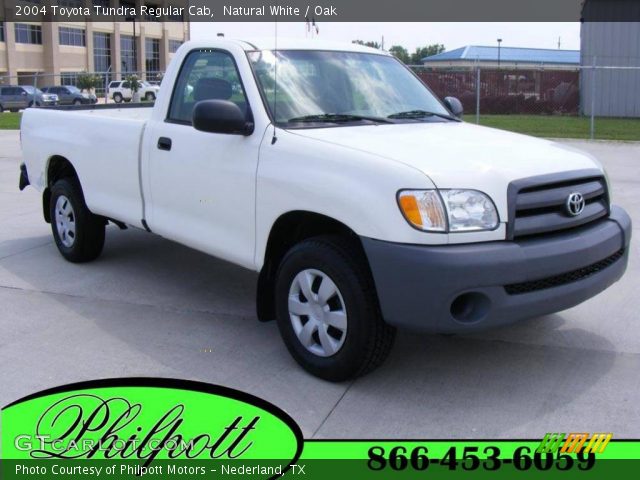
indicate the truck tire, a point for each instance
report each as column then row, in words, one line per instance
column 117, row 97
column 78, row 233
column 327, row 310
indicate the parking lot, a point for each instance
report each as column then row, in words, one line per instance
column 150, row 307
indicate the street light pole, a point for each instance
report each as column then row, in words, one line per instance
column 499, row 42
column 135, row 47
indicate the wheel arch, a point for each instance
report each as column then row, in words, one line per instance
column 57, row 167
column 289, row 229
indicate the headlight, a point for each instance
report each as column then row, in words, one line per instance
column 448, row 210
column 423, row 209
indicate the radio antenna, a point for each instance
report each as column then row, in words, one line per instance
column 274, row 139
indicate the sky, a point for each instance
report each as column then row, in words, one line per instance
column 410, row 35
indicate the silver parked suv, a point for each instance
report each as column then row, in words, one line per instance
column 17, row 97
column 71, row 95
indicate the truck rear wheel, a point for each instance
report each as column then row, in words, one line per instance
column 327, row 310
column 78, row 233
column 117, row 97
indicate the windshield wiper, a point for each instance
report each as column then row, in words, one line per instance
column 411, row 114
column 337, row 118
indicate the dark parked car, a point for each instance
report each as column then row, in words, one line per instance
column 17, row 97
column 71, row 95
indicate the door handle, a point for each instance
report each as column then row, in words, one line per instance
column 164, row 143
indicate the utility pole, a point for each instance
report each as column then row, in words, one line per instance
column 499, row 42
column 135, row 47
column 559, row 42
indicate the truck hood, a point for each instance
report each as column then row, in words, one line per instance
column 459, row 154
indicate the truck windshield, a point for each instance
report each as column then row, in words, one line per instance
column 316, row 88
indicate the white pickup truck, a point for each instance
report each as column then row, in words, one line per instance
column 362, row 200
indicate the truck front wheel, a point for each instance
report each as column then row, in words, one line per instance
column 78, row 233
column 327, row 310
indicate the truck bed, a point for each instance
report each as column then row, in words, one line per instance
column 102, row 142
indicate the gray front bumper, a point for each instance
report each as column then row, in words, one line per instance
column 458, row 288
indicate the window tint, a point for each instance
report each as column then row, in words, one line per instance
column 152, row 54
column 71, row 36
column 128, row 53
column 26, row 33
column 205, row 75
column 114, row 84
column 126, row 85
column 101, row 52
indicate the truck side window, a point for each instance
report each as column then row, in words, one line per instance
column 205, row 75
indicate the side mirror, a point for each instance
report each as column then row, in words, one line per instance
column 454, row 105
column 220, row 116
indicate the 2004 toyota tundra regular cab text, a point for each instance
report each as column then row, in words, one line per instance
column 361, row 199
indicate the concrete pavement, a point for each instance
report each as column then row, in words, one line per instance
column 150, row 307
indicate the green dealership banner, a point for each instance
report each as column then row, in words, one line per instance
column 161, row 428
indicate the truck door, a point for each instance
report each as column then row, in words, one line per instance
column 202, row 185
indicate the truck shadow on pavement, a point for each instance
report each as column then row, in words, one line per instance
column 150, row 307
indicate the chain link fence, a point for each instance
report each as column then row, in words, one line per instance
column 582, row 102
column 86, row 87
column 571, row 102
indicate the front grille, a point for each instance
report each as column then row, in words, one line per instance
column 563, row 278
column 540, row 207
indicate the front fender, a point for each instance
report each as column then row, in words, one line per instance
column 353, row 187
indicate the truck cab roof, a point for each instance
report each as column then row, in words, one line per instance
column 284, row 43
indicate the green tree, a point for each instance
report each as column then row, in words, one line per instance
column 133, row 83
column 400, row 53
column 87, row 81
column 426, row 51
column 369, row 43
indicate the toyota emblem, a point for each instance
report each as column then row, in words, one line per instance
column 575, row 204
